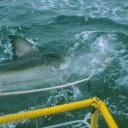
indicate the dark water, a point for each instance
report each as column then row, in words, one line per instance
column 92, row 39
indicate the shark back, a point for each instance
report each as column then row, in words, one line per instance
column 26, row 55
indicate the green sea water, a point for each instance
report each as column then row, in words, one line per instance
column 91, row 36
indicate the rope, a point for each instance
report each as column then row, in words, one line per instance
column 98, row 104
column 94, row 119
column 46, row 111
column 101, row 106
column 44, row 89
column 106, row 114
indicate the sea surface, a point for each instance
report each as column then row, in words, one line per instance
column 91, row 36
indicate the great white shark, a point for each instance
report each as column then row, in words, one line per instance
column 30, row 65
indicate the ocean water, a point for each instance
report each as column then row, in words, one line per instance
column 91, row 36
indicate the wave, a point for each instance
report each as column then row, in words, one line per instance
column 71, row 23
column 104, row 24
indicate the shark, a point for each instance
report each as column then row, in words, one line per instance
column 29, row 67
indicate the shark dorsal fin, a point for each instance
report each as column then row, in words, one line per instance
column 21, row 46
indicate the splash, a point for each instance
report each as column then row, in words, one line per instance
column 90, row 53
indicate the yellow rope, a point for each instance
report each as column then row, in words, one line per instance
column 94, row 119
column 97, row 104
column 107, row 116
column 46, row 111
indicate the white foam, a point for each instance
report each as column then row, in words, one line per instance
column 90, row 54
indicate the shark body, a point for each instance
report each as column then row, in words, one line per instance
column 30, row 66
